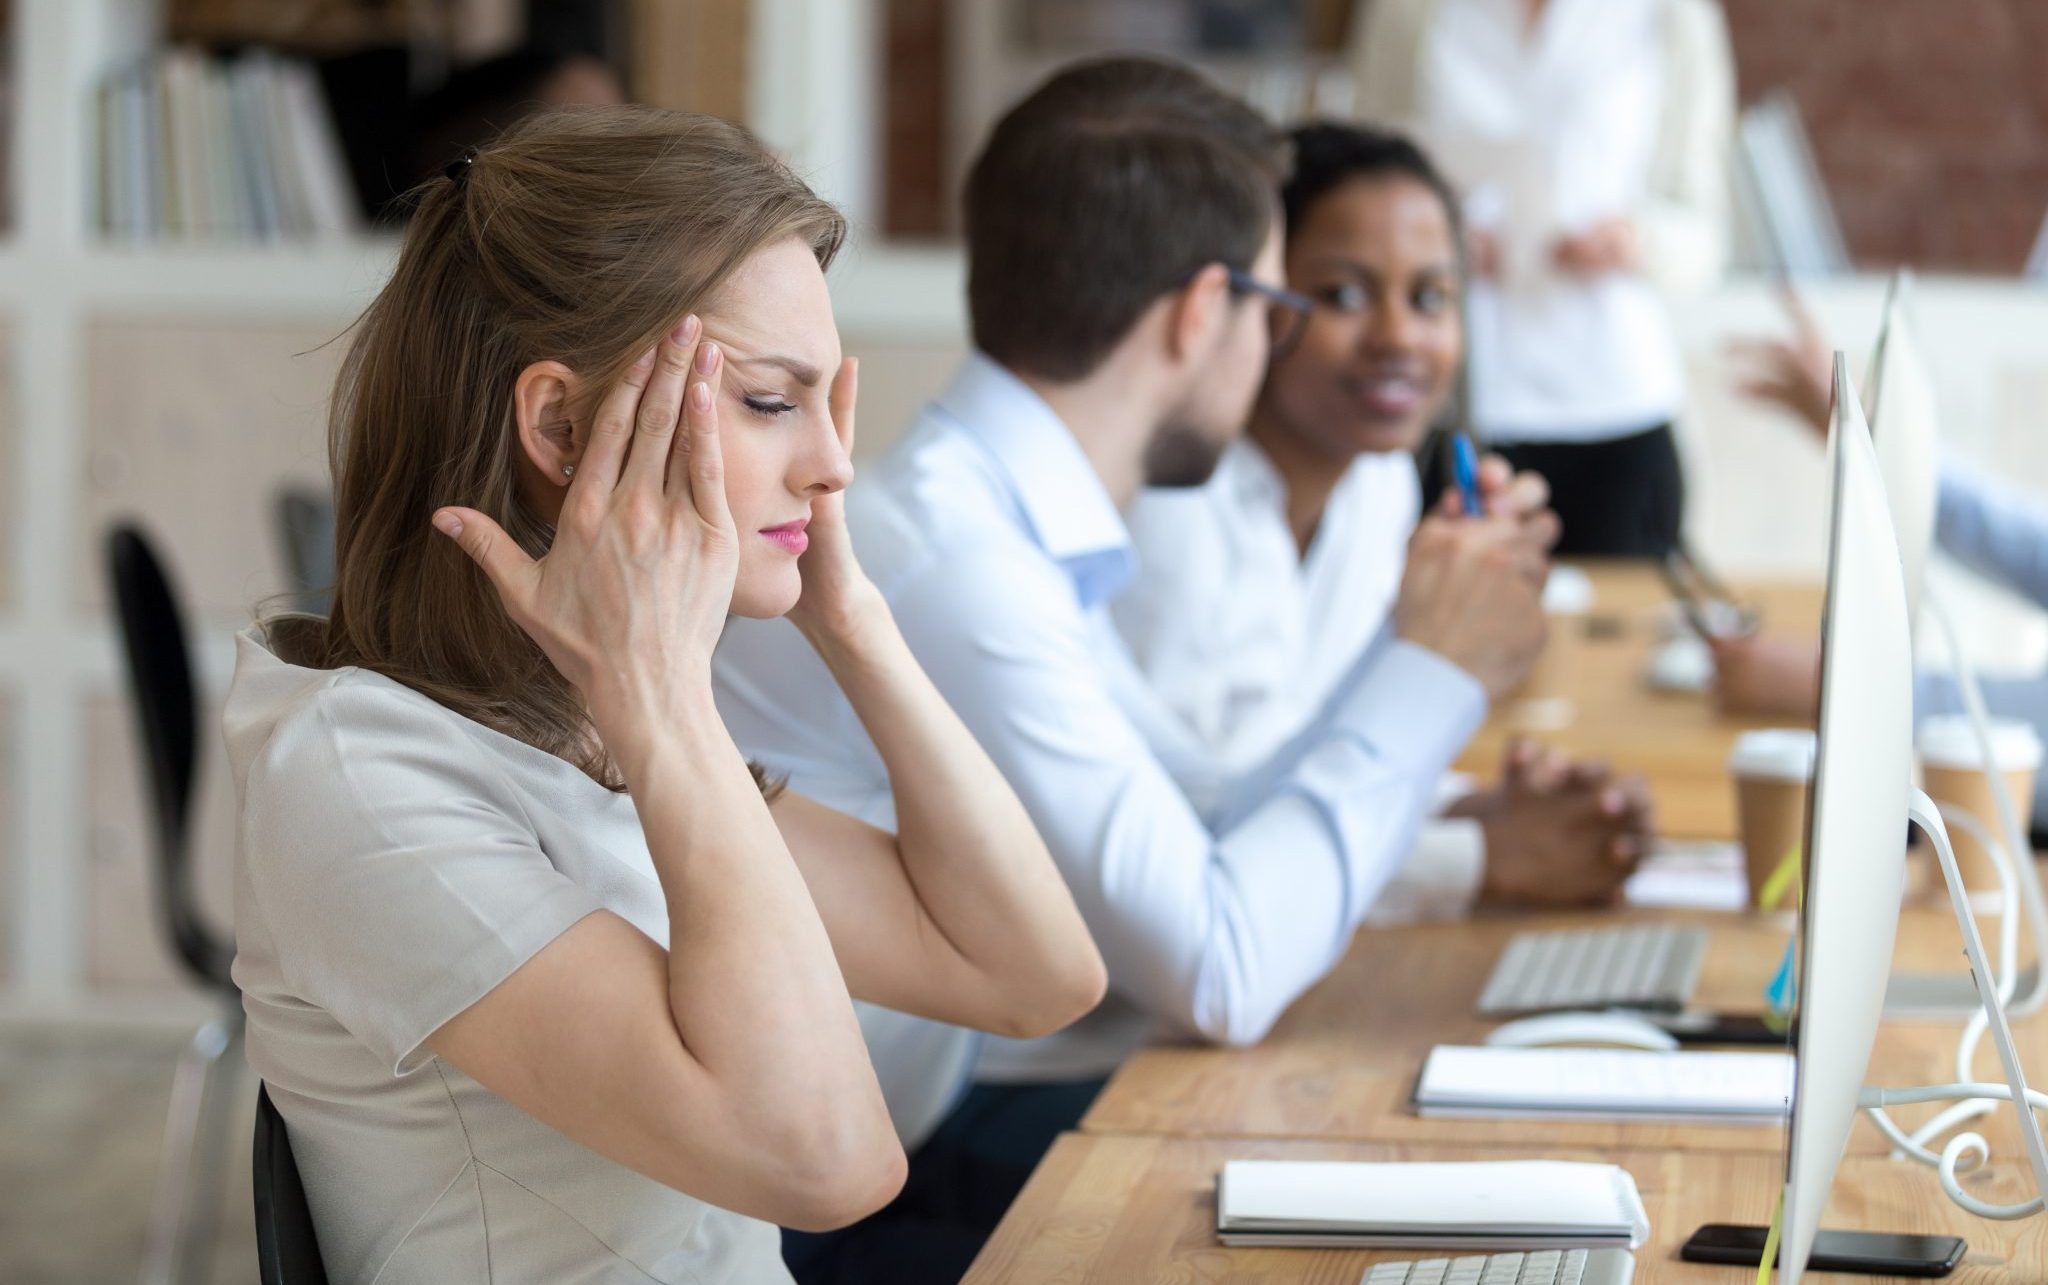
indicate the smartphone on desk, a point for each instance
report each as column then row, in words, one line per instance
column 1700, row 1027
column 1871, row 1253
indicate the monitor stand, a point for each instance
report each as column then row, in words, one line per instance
column 1946, row 995
column 1924, row 813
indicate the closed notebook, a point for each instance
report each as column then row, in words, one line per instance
column 1484, row 1205
column 1747, row 1087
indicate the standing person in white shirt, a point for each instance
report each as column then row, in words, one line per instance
column 546, row 984
column 1258, row 591
column 1590, row 138
column 1124, row 245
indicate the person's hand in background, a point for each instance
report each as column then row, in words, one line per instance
column 1796, row 374
column 1482, row 254
column 1769, row 675
column 1609, row 246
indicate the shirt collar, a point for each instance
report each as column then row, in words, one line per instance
column 1250, row 472
column 1067, row 509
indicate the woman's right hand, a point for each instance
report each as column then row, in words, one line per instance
column 629, row 600
column 1797, row 375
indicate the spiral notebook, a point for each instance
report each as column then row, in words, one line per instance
column 1479, row 1205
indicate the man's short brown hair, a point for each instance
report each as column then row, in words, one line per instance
column 1113, row 183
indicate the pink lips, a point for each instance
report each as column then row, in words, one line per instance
column 789, row 536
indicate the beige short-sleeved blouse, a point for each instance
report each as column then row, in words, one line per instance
column 396, row 861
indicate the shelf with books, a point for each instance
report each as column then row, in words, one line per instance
column 192, row 148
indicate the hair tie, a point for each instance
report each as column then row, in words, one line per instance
column 458, row 169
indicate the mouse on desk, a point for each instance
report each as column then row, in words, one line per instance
column 1621, row 1029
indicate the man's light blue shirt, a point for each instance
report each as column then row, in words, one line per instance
column 2001, row 533
column 997, row 546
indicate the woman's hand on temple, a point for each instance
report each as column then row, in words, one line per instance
column 630, row 599
column 837, row 595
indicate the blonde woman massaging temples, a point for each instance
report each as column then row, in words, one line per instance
column 547, row 984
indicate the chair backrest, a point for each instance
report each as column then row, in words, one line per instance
column 305, row 532
column 287, row 1250
column 167, row 724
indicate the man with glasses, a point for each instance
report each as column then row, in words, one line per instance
column 1124, row 258
column 1257, row 591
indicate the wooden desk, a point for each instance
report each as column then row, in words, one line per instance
column 1124, row 1210
column 1131, row 1198
column 1342, row 1062
column 1676, row 740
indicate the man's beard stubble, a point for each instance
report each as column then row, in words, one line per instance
column 1181, row 455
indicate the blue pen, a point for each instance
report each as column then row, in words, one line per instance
column 1465, row 467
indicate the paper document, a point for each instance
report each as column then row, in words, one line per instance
column 1605, row 1084
column 1518, row 1204
column 1690, row 876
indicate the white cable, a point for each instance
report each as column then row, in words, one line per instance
column 1971, row 1145
column 1967, row 1151
column 2012, row 878
column 1949, row 1118
column 2008, row 886
column 1978, row 1023
column 2001, row 802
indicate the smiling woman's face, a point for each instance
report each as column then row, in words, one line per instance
column 773, row 318
column 1380, row 357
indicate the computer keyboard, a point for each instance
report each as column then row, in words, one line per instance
column 1539, row 1267
column 1652, row 967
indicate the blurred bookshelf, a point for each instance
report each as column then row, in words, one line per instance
column 196, row 148
column 172, row 279
column 180, row 231
column 954, row 65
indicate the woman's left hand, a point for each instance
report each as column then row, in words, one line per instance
column 837, row 595
column 1608, row 246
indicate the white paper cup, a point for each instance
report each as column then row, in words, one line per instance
column 1773, row 771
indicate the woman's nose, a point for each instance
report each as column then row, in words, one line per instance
column 1392, row 329
column 827, row 467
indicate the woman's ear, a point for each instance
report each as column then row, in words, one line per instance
column 541, row 401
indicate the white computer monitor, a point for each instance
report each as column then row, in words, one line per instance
column 1899, row 405
column 1855, row 858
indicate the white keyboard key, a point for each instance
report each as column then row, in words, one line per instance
column 1541, row 1267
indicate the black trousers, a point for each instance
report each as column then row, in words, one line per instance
column 960, row 1183
column 1619, row 498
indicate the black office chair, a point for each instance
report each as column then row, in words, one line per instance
column 164, row 698
column 287, row 1250
column 305, row 536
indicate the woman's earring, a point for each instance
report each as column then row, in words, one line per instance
column 568, row 470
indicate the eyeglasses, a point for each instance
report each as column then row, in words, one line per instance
column 1288, row 311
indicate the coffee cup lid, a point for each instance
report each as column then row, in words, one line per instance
column 1949, row 740
column 1774, row 753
